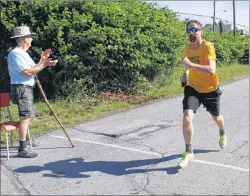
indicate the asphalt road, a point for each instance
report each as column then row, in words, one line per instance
column 136, row 153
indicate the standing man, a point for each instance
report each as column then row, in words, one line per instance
column 22, row 70
column 203, row 86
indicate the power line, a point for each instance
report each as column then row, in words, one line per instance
column 204, row 16
column 210, row 17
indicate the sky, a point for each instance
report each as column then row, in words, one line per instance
column 206, row 8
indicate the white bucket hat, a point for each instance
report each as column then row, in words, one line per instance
column 22, row 31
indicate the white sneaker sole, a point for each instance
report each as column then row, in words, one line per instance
column 222, row 146
column 183, row 165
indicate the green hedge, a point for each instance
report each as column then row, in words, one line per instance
column 115, row 46
column 229, row 49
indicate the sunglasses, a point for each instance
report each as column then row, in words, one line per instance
column 194, row 30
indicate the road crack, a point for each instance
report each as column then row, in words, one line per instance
column 239, row 147
column 117, row 137
column 98, row 133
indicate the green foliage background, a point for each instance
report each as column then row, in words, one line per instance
column 105, row 46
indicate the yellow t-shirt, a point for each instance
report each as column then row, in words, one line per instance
column 202, row 82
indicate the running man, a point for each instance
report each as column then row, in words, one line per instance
column 203, row 86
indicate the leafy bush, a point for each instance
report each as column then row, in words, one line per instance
column 245, row 58
column 229, row 48
column 106, row 46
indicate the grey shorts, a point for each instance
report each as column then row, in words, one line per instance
column 22, row 95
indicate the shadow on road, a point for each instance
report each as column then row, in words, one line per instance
column 74, row 168
column 13, row 151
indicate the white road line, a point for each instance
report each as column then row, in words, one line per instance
column 110, row 145
column 221, row 165
column 151, row 153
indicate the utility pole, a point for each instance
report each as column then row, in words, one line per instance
column 214, row 16
column 234, row 17
column 221, row 26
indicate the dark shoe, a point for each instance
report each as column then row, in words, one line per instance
column 26, row 153
column 34, row 142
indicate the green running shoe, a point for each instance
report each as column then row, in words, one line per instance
column 186, row 157
column 223, row 141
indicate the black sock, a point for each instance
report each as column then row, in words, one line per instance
column 189, row 148
column 22, row 145
column 222, row 132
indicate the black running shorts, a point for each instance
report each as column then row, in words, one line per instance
column 193, row 99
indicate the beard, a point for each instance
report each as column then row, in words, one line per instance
column 192, row 38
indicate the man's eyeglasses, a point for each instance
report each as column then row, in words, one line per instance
column 194, row 30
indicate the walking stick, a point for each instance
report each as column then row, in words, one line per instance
column 47, row 102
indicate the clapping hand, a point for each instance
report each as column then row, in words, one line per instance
column 46, row 60
column 45, row 55
column 50, row 63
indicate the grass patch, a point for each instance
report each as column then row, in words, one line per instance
column 233, row 72
column 71, row 112
column 172, row 86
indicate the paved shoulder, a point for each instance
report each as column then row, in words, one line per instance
column 10, row 185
